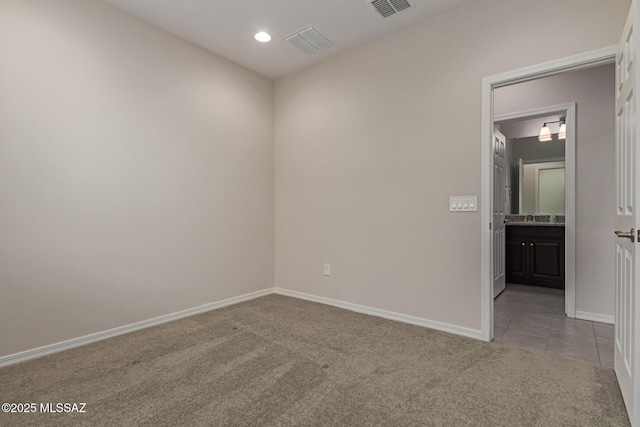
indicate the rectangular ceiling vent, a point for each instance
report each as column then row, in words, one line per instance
column 387, row 8
column 309, row 40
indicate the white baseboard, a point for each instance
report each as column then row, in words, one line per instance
column 98, row 336
column 595, row 317
column 445, row 327
column 88, row 339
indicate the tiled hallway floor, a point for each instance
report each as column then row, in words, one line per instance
column 533, row 318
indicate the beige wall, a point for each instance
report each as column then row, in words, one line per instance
column 593, row 92
column 136, row 173
column 371, row 144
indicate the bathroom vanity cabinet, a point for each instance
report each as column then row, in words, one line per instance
column 535, row 254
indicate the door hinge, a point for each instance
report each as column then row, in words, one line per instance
column 489, row 226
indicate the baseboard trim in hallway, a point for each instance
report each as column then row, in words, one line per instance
column 595, row 317
column 98, row 336
column 404, row 318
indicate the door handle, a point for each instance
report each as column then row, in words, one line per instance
column 629, row 235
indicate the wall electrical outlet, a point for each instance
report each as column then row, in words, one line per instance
column 327, row 269
column 463, row 203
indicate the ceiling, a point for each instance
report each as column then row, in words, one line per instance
column 227, row 28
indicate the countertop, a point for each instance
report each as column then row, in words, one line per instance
column 535, row 224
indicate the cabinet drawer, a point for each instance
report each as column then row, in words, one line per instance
column 535, row 231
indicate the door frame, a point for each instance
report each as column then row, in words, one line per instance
column 572, row 63
column 569, row 110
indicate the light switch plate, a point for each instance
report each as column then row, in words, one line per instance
column 463, row 203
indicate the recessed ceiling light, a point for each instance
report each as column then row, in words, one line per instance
column 263, row 37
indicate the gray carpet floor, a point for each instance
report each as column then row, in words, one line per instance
column 278, row 361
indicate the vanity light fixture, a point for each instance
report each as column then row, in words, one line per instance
column 562, row 134
column 263, row 37
column 545, row 132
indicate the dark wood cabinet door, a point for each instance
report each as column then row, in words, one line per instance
column 546, row 261
column 535, row 255
column 516, row 268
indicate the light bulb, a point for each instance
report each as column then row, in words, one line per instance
column 263, row 37
column 562, row 134
column 545, row 134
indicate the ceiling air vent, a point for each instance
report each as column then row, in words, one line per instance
column 386, row 8
column 309, row 40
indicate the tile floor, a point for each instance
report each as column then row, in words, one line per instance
column 533, row 318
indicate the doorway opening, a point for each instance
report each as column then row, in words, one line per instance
column 534, row 198
column 574, row 63
column 537, row 305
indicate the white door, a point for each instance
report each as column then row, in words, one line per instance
column 627, row 280
column 499, row 199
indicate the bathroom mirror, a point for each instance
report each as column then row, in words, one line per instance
column 535, row 179
column 541, row 187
